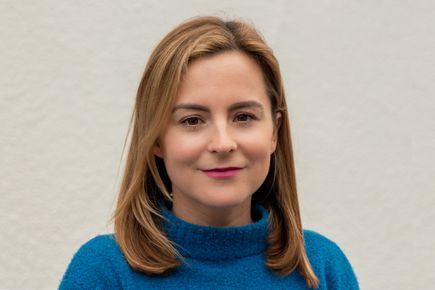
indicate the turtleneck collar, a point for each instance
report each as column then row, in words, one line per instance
column 217, row 243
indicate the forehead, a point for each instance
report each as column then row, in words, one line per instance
column 225, row 77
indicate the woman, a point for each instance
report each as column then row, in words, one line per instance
column 208, row 197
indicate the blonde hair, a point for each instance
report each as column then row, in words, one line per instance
column 137, row 218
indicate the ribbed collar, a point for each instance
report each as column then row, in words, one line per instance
column 217, row 243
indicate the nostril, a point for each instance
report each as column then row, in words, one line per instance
column 221, row 141
column 223, row 147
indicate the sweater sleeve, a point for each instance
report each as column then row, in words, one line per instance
column 91, row 267
column 339, row 272
column 330, row 263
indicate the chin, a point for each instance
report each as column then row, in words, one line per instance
column 226, row 200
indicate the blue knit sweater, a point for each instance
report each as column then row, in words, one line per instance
column 216, row 258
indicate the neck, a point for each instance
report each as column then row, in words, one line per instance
column 225, row 216
column 217, row 243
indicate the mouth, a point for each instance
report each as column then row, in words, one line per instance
column 221, row 173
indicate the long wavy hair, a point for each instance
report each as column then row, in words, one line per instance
column 137, row 218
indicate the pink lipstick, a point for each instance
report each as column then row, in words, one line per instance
column 221, row 173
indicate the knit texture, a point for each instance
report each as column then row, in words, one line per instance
column 215, row 258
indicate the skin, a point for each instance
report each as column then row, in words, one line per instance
column 221, row 118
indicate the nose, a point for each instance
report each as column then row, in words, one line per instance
column 221, row 141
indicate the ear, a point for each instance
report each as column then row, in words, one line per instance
column 157, row 149
column 276, row 125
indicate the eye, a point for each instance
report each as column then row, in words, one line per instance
column 191, row 121
column 244, row 117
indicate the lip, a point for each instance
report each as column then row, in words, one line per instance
column 221, row 173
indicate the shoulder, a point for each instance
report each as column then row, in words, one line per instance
column 99, row 249
column 99, row 243
column 329, row 261
column 95, row 261
column 319, row 244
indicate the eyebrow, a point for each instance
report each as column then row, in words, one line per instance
column 233, row 107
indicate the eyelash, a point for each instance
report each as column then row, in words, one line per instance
column 185, row 121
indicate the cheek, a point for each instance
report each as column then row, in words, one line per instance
column 258, row 151
column 258, row 155
column 258, row 142
column 180, row 149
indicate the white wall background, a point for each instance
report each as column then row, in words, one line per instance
column 360, row 80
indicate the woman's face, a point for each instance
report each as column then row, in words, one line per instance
column 217, row 144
